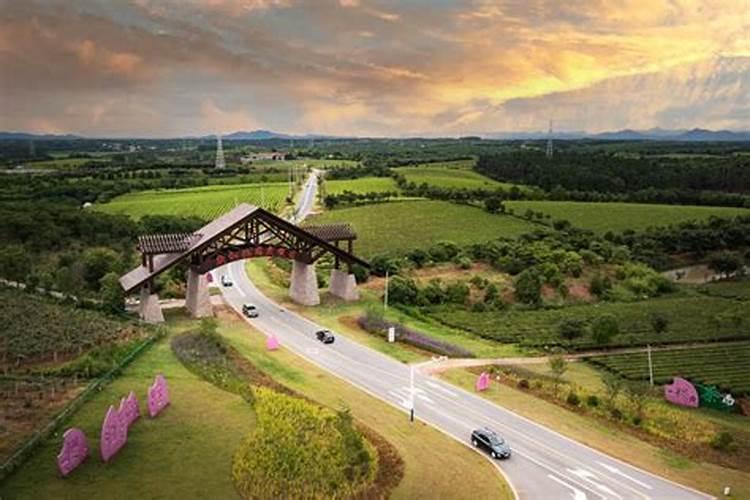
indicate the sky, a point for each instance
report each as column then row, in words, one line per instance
column 163, row 68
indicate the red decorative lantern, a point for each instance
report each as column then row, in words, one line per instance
column 247, row 252
column 292, row 254
column 220, row 260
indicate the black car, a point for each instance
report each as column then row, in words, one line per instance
column 225, row 280
column 250, row 310
column 325, row 336
column 489, row 441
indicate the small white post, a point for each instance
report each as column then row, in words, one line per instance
column 385, row 297
column 650, row 365
column 391, row 334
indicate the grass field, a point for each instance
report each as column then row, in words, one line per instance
column 403, row 225
column 616, row 217
column 731, row 289
column 206, row 202
column 361, row 185
column 690, row 319
column 726, row 366
column 184, row 453
column 462, row 473
column 457, row 174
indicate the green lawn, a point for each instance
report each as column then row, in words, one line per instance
column 361, row 185
column 186, row 452
column 457, row 174
column 206, row 202
column 616, row 217
column 403, row 225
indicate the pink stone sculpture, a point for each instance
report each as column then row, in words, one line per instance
column 114, row 434
column 74, row 451
column 483, row 382
column 681, row 392
column 272, row 343
column 129, row 409
column 158, row 396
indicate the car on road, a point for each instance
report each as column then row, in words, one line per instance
column 250, row 310
column 325, row 336
column 489, row 441
column 225, row 281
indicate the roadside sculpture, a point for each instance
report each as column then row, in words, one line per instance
column 483, row 382
column 272, row 343
column 681, row 392
column 129, row 409
column 74, row 451
column 114, row 434
column 711, row 397
column 158, row 396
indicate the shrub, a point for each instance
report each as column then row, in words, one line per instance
column 528, row 287
column 604, row 328
column 723, row 441
column 402, row 291
column 592, row 401
column 523, row 384
column 573, row 399
column 374, row 322
column 615, row 413
column 659, row 322
column 572, row 328
column 637, row 420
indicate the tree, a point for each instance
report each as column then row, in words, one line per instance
column 208, row 327
column 659, row 322
column 528, row 287
column 604, row 328
column 613, row 385
column 494, row 204
column 111, row 293
column 725, row 263
column 96, row 263
column 572, row 328
column 403, row 291
column 557, row 365
column 15, row 262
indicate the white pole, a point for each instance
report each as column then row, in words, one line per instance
column 650, row 365
column 385, row 297
column 411, row 384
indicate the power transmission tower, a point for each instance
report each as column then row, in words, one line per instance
column 550, row 149
column 220, row 163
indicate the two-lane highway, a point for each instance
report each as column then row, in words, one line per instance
column 545, row 464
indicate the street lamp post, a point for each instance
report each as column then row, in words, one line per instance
column 650, row 365
column 385, row 297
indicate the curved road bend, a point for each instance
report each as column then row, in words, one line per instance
column 545, row 464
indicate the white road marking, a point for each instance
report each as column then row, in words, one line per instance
column 577, row 494
column 615, row 470
column 440, row 388
column 589, row 476
column 312, row 350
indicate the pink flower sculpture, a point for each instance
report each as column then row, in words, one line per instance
column 129, row 409
column 114, row 434
column 158, row 396
column 483, row 382
column 272, row 343
column 681, row 392
column 74, row 451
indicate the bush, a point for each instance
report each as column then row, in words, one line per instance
column 615, row 413
column 604, row 328
column 572, row 328
column 723, row 441
column 592, row 401
column 528, row 287
column 523, row 384
column 573, row 399
column 301, row 450
column 402, row 291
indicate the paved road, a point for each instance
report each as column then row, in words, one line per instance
column 545, row 465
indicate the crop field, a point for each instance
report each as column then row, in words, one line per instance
column 456, row 174
column 403, row 225
column 725, row 366
column 731, row 289
column 616, row 217
column 300, row 162
column 690, row 319
column 361, row 185
column 205, row 202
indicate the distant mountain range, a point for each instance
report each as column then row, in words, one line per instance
column 654, row 134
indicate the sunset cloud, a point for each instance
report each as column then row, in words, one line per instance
column 165, row 67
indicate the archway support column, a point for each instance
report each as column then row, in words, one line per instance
column 149, row 309
column 343, row 285
column 303, row 288
column 198, row 298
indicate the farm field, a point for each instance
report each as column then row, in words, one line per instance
column 690, row 319
column 450, row 175
column 723, row 365
column 616, row 217
column 731, row 289
column 403, row 225
column 261, row 165
column 361, row 185
column 205, row 202
column 67, row 162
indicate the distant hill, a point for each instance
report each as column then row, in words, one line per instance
column 261, row 135
column 23, row 136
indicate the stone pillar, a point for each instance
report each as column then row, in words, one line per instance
column 197, row 299
column 343, row 285
column 303, row 288
column 149, row 309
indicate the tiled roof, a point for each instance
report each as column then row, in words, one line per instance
column 332, row 232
